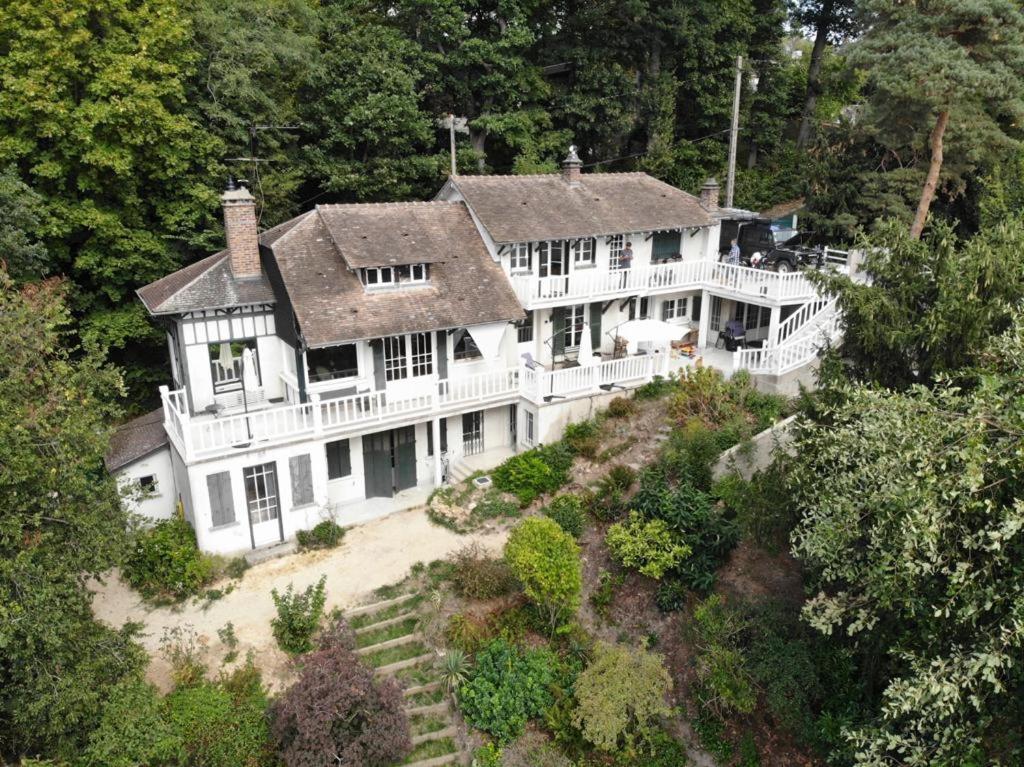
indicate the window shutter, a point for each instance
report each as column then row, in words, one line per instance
column 339, row 459
column 222, row 505
column 444, row 435
column 595, row 325
column 558, row 330
column 442, row 354
column 377, row 346
column 301, row 470
column 664, row 310
column 695, row 314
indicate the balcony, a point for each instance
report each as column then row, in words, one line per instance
column 569, row 383
column 739, row 282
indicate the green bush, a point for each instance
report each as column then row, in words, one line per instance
column 493, row 505
column 603, row 596
column 535, row 472
column 620, row 407
column 546, row 560
column 647, row 545
column 476, row 575
column 583, row 438
column 653, row 389
column 506, row 689
column 567, row 511
column 763, row 507
column 325, row 535
column 298, row 616
column 164, row 561
column 611, row 497
column 690, row 454
column 722, row 667
column 671, row 595
column 133, row 730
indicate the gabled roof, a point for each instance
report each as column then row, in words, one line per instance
column 787, row 208
column 546, row 207
column 333, row 307
column 136, row 439
column 210, row 284
column 390, row 234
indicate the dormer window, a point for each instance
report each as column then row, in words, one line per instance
column 520, row 257
column 394, row 276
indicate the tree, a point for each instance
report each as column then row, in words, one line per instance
column 62, row 524
column 832, row 22
column 912, row 510
column 134, row 730
column 546, row 560
column 337, row 713
column 24, row 254
column 931, row 305
column 220, row 726
column 619, row 695
column 947, row 64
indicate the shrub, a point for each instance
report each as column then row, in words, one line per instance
column 619, row 695
column 533, row 750
column 494, row 505
column 236, row 567
column 133, row 730
column 646, row 545
column 690, row 454
column 567, row 511
column 164, row 561
column 604, row 594
column 475, row 575
column 721, row 666
column 221, row 727
column 659, row 749
column 671, row 595
column 298, row 616
column 488, row 755
column 454, row 670
column 325, row 535
column 609, row 501
column 529, row 475
column 467, row 632
column 229, row 639
column 181, row 648
column 506, row 689
column 653, row 389
column 763, row 507
column 620, row 407
column 546, row 560
column 583, row 438
column 337, row 713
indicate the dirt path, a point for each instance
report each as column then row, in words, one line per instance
column 372, row 555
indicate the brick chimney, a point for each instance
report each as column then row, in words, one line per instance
column 709, row 195
column 240, row 230
column 571, row 167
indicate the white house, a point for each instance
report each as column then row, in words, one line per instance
column 345, row 361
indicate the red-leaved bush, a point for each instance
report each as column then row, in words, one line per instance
column 336, row 713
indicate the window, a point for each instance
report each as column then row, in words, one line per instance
column 300, row 469
column 226, row 364
column 716, row 313
column 520, row 257
column 332, row 362
column 465, row 347
column 147, row 484
column 583, row 252
column 575, row 316
column 529, row 437
column 422, row 354
column 473, row 432
column 261, row 492
column 430, row 438
column 222, row 504
column 390, row 276
column 673, row 309
column 666, row 245
column 524, row 329
column 551, row 258
column 615, row 245
column 644, row 308
column 339, row 459
column 394, row 359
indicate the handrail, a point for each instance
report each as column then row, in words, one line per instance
column 799, row 349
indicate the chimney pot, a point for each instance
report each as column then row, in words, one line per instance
column 709, row 195
column 241, row 231
column 571, row 166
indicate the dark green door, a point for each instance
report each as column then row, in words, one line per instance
column 404, row 441
column 377, row 465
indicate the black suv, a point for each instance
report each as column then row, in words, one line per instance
column 758, row 237
column 799, row 250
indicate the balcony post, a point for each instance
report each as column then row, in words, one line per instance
column 704, row 321
column 773, row 326
column 318, row 416
column 435, row 427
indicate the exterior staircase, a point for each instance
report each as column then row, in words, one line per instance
column 388, row 639
column 797, row 342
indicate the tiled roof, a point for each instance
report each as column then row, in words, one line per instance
column 209, row 283
column 332, row 306
column 136, row 439
column 545, row 207
column 787, row 208
column 389, row 234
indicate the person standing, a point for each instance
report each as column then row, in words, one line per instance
column 626, row 261
column 734, row 254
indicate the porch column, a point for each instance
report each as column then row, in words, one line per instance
column 705, row 319
column 435, row 427
column 773, row 326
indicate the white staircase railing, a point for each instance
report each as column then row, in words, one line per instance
column 801, row 345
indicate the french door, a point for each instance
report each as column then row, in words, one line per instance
column 473, row 432
column 552, row 259
column 263, row 502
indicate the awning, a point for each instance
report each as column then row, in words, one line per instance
column 488, row 338
column 650, row 331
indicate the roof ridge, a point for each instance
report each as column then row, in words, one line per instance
column 305, row 217
column 214, row 259
column 391, row 204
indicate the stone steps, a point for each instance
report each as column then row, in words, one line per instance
column 432, row 708
column 385, row 623
column 396, row 642
column 428, row 687
column 375, row 606
column 399, row 665
column 455, row 757
column 447, row 732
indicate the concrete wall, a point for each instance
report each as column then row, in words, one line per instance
column 749, row 458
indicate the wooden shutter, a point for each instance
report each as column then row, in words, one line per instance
column 377, row 346
column 222, row 504
column 695, row 310
column 558, row 330
column 664, row 310
column 595, row 325
column 442, row 354
column 444, row 435
column 300, row 468
column 339, row 459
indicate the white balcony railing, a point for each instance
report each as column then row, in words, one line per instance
column 798, row 349
column 597, row 284
column 545, row 385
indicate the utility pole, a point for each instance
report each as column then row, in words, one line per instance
column 734, row 133
column 451, row 140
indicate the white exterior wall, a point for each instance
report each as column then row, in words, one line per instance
column 554, row 417
column 162, row 503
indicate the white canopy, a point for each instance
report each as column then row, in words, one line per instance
column 651, row 331
column 586, row 355
column 488, row 338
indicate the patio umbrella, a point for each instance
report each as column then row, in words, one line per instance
column 586, row 356
column 250, row 383
column 225, row 360
column 653, row 332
